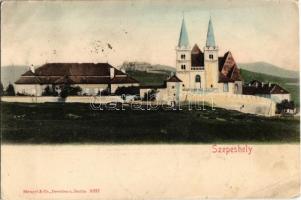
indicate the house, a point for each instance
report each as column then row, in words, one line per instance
column 267, row 90
column 92, row 78
column 205, row 70
column 169, row 92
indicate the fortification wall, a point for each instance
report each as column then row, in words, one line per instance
column 243, row 103
column 70, row 99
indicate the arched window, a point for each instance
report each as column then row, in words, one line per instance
column 183, row 56
column 211, row 56
column 197, row 78
column 183, row 66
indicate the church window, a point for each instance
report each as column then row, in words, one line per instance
column 197, row 78
column 183, row 56
column 183, row 66
column 226, row 87
column 210, row 56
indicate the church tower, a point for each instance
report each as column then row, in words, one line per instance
column 183, row 55
column 211, row 59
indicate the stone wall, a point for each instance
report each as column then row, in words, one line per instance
column 70, row 99
column 243, row 103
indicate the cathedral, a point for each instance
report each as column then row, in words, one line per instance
column 205, row 71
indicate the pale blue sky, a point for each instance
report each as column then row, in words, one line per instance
column 36, row 32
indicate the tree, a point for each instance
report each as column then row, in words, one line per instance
column 68, row 90
column 131, row 90
column 49, row 91
column 150, row 95
column 1, row 89
column 10, row 90
column 285, row 105
column 104, row 92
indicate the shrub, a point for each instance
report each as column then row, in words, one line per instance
column 49, row 91
column 68, row 90
column 132, row 90
column 150, row 95
column 284, row 106
column 10, row 90
column 1, row 89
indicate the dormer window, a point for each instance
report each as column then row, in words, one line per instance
column 183, row 56
column 210, row 56
column 183, row 67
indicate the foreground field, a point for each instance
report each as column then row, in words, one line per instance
column 78, row 123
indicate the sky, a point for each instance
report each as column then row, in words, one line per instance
column 36, row 32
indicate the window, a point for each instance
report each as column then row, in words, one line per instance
column 197, row 78
column 183, row 66
column 226, row 87
column 210, row 56
column 183, row 56
column 183, row 85
column 173, row 87
column 236, row 87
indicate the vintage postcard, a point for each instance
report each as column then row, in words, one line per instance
column 125, row 99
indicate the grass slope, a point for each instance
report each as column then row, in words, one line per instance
column 146, row 78
column 267, row 68
column 73, row 123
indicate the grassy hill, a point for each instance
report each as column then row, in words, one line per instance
column 77, row 123
column 269, row 69
column 147, row 78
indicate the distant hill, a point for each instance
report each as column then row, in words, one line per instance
column 9, row 74
column 146, row 67
column 266, row 68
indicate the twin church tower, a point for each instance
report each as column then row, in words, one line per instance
column 205, row 69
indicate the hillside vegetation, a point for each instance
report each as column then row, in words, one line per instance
column 269, row 69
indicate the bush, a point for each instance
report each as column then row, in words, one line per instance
column 68, row 90
column 10, row 90
column 1, row 90
column 284, row 106
column 132, row 90
column 105, row 92
column 49, row 91
column 150, row 95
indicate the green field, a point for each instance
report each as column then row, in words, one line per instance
column 77, row 123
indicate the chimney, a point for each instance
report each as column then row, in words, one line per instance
column 112, row 72
column 32, row 68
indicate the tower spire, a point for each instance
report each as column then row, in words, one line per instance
column 210, row 42
column 183, row 40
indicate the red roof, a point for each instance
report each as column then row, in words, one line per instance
column 174, row 78
column 74, row 73
column 256, row 87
